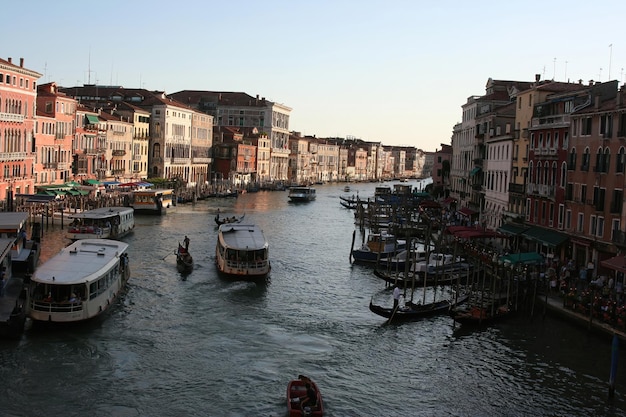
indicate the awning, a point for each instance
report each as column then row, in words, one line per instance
column 616, row 263
column 527, row 258
column 475, row 171
column 512, row 229
column 92, row 119
column 448, row 200
column 73, row 192
column 464, row 211
column 73, row 184
column 545, row 236
column 93, row 182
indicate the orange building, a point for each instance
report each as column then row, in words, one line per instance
column 18, row 97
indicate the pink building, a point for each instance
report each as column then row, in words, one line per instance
column 18, row 96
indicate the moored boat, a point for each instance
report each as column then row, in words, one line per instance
column 297, row 391
column 101, row 223
column 79, row 283
column 415, row 311
column 184, row 260
column 378, row 246
column 242, row 251
column 301, row 194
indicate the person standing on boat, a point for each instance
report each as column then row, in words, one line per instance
column 396, row 296
column 186, row 243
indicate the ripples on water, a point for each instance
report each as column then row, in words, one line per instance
column 203, row 346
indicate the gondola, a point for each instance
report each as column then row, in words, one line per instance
column 296, row 390
column 475, row 315
column 220, row 221
column 418, row 279
column 184, row 260
column 412, row 311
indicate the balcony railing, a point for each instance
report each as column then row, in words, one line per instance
column 553, row 120
column 11, row 117
column 12, row 156
column 50, row 165
column 118, row 152
column 516, row 188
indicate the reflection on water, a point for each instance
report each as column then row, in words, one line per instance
column 209, row 346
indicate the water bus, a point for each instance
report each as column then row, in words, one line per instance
column 298, row 194
column 152, row 201
column 101, row 223
column 242, row 251
column 79, row 283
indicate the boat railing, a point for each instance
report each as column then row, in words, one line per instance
column 246, row 265
column 57, row 307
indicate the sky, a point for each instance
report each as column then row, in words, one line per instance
column 392, row 71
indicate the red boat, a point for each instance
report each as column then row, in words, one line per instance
column 296, row 391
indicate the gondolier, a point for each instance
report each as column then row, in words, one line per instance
column 186, row 243
column 396, row 296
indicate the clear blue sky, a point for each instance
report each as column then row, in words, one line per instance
column 390, row 71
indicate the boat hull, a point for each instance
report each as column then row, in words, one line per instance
column 296, row 389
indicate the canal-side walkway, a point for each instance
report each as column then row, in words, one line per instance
column 555, row 305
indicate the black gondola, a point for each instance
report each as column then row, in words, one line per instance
column 184, row 260
column 220, row 221
column 412, row 311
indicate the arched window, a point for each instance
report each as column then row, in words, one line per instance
column 530, row 172
column 553, row 179
column 571, row 163
column 619, row 163
column 585, row 162
column 563, row 174
column 599, row 160
column 607, row 159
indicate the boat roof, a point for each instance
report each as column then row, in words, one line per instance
column 80, row 262
column 153, row 192
column 5, row 247
column 242, row 236
column 101, row 213
column 13, row 220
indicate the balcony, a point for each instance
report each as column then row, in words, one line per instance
column 118, row 152
column 50, row 165
column 516, row 188
column 561, row 120
column 118, row 171
column 12, row 156
column 11, row 117
column 90, row 151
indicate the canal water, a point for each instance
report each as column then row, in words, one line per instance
column 203, row 346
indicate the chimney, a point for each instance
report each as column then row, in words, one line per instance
column 22, row 62
column 590, row 82
column 580, row 81
column 10, row 60
column 537, row 77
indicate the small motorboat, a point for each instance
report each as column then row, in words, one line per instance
column 296, row 392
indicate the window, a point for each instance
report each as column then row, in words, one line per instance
column 614, row 228
column 585, row 162
column 583, row 193
column 581, row 222
column 563, row 174
column 571, row 162
column 606, row 125
column 568, row 219
column 592, row 225
column 600, row 227
column 585, row 129
column 619, row 162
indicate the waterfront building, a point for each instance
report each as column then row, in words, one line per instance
column 18, row 97
column 88, row 146
column 141, row 137
column 300, row 160
column 55, row 133
column 441, row 167
column 595, row 169
column 469, row 143
column 234, row 157
column 263, row 145
column 117, row 155
column 201, row 144
column 496, row 166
